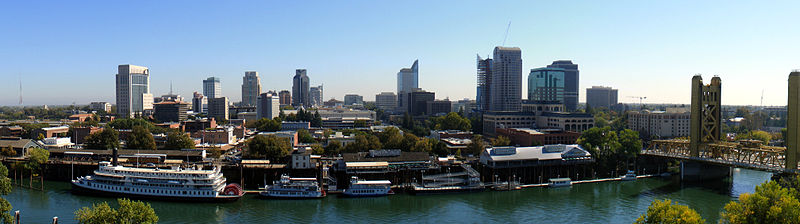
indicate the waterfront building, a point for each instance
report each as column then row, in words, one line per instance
column 300, row 89
column 48, row 132
column 577, row 122
column 601, row 96
column 268, row 106
column 302, row 158
column 171, row 111
column 212, row 88
column 351, row 99
column 100, row 106
column 199, row 103
column 316, row 95
column 386, row 101
column 384, row 161
column 57, row 143
column 19, row 145
column 218, row 108
column 507, row 119
column 133, row 91
column 571, row 78
column 285, row 97
column 535, row 137
column 506, row 85
column 407, row 81
column 483, row 96
column 546, row 84
column 548, row 155
column 251, row 88
column 674, row 122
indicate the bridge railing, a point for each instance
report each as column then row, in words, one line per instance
column 728, row 153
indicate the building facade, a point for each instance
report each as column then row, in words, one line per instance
column 438, row 107
column 133, row 90
column 316, row 95
column 218, row 108
column 268, row 106
column 199, row 103
column 386, row 101
column 351, row 99
column 576, row 122
column 251, row 87
column 407, row 81
column 496, row 119
column 171, row 111
column 600, row 96
column 506, row 86
column 546, row 84
column 212, row 88
column 300, row 89
column 285, row 97
column 571, row 78
column 483, row 96
column 100, row 106
column 416, row 102
column 661, row 124
column 534, row 137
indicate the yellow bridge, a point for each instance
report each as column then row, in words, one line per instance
column 750, row 154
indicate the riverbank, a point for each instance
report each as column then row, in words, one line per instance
column 601, row 202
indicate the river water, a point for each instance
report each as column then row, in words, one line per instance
column 607, row 202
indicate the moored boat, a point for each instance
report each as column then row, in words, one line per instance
column 560, row 182
column 293, row 187
column 630, row 175
column 368, row 188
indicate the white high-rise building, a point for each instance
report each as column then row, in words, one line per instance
column 268, row 106
column 133, row 90
column 506, row 86
column 407, row 81
column 212, row 88
column 315, row 93
column 251, row 87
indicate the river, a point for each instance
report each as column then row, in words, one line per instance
column 607, row 202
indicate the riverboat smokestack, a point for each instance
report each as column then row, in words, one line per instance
column 114, row 157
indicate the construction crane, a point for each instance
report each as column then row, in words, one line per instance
column 641, row 98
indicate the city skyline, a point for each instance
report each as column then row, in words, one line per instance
column 652, row 49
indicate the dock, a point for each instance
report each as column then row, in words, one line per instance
column 589, row 181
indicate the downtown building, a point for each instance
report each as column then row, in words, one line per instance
column 505, row 89
column 482, row 98
column 353, row 99
column 571, row 78
column 199, row 103
column 133, row 91
column 300, row 89
column 600, row 96
column 386, row 101
column 171, row 111
column 251, row 88
column 316, row 95
column 546, row 85
column 100, row 106
column 407, row 81
column 218, row 108
column 285, row 96
column 212, row 88
column 674, row 122
column 268, row 106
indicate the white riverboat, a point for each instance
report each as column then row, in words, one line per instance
column 153, row 183
column 293, row 187
column 629, row 176
column 560, row 182
column 368, row 188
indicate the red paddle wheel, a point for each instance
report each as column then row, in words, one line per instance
column 233, row 189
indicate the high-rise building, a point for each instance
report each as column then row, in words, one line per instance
column 600, row 96
column 100, row 106
column 133, row 90
column 407, row 81
column 171, row 111
column 386, row 101
column 546, row 84
column 251, row 87
column 286, row 97
column 268, row 106
column 351, row 99
column 483, row 97
column 315, row 93
column 571, row 78
column 218, row 108
column 199, row 103
column 416, row 101
column 212, row 88
column 506, row 86
column 300, row 89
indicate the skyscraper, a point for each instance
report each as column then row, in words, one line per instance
column 387, row 101
column 546, row 84
column 407, row 81
column 285, row 96
column 251, row 87
column 218, row 108
column 199, row 103
column 133, row 90
column 315, row 93
column 484, row 83
column 571, row 78
column 212, row 88
column 268, row 106
column 506, row 86
column 601, row 96
column 300, row 89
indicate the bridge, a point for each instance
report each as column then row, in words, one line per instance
column 706, row 147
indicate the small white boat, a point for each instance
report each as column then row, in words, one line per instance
column 368, row 188
column 560, row 182
column 293, row 187
column 629, row 176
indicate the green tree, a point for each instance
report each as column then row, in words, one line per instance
column 305, row 137
column 363, row 143
column 422, row 145
column 477, row 145
column 214, row 152
column 36, row 158
column 762, row 136
column 452, row 121
column 317, row 149
column 360, row 124
column 501, row 141
column 140, row 138
column 177, row 140
column 106, row 139
column 268, row 146
column 129, row 212
column 8, row 151
column 629, row 144
column 334, row 147
column 391, row 138
column 770, row 203
column 663, row 212
column 5, row 189
column 268, row 125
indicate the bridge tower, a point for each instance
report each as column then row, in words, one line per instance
column 793, row 120
column 705, row 113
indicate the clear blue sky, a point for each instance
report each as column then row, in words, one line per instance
column 68, row 52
